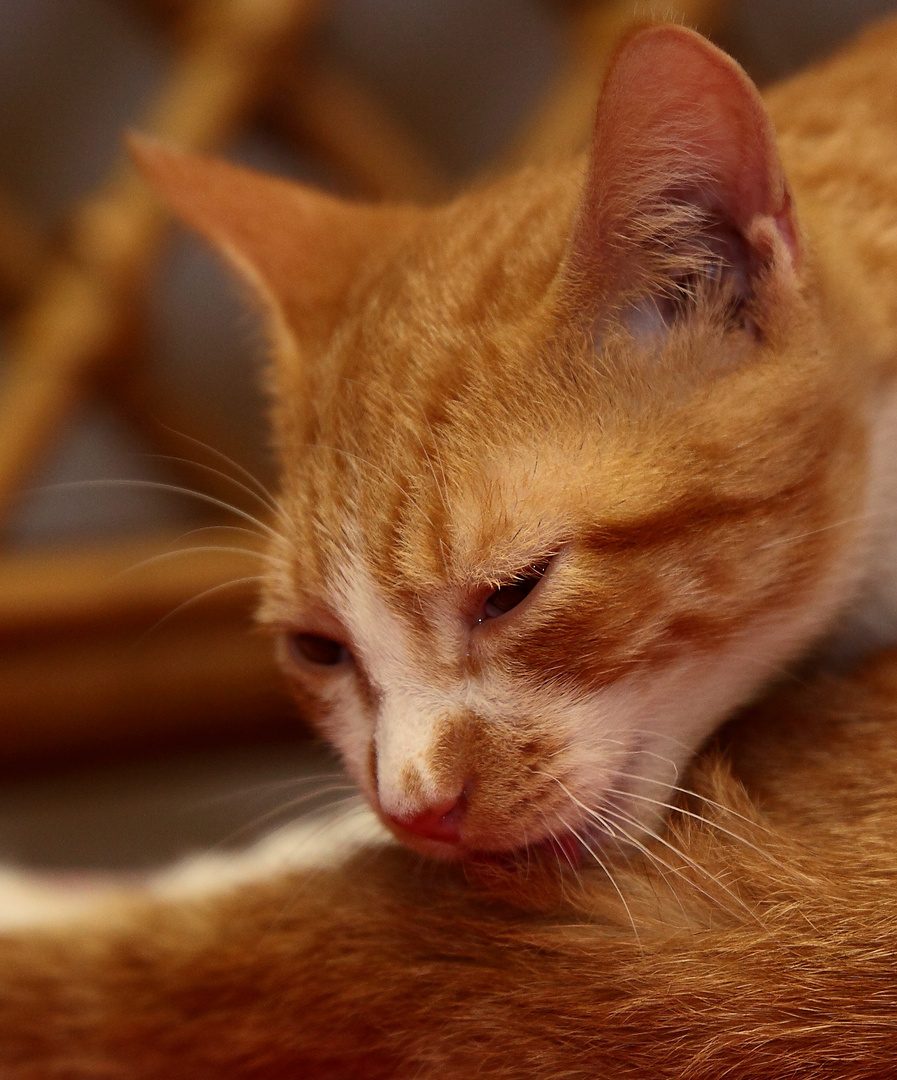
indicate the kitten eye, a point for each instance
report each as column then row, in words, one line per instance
column 317, row 650
column 507, row 597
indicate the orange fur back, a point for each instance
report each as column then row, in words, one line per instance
column 765, row 949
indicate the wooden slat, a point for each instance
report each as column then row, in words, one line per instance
column 323, row 107
column 23, row 253
column 95, row 691
column 85, row 661
column 327, row 109
column 70, row 593
column 79, row 309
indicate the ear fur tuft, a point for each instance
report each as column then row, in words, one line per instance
column 683, row 165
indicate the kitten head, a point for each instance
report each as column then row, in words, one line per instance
column 561, row 461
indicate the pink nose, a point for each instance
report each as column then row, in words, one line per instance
column 440, row 822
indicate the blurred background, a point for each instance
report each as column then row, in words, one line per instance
column 140, row 714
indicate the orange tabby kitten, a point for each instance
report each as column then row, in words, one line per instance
column 576, row 465
column 571, row 468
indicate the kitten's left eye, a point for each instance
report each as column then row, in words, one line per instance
column 507, row 597
column 317, row 650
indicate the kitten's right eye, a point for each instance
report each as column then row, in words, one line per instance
column 315, row 649
column 507, row 597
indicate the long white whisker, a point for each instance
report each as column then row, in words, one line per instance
column 194, row 600
column 265, row 500
column 648, row 733
column 174, row 489
column 269, row 786
column 613, row 834
column 261, row 488
column 216, row 528
column 616, row 833
column 625, row 744
column 616, row 826
column 291, row 806
column 694, row 795
column 617, row 816
column 697, row 817
column 661, row 758
column 814, row 532
column 164, row 555
column 678, row 788
column 610, row 877
column 526, row 848
column 556, row 850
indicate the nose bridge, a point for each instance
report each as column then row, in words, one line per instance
column 407, row 736
column 413, row 680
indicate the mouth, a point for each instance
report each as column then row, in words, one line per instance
column 610, row 823
column 564, row 850
column 563, row 847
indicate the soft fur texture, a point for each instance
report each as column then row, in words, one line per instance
column 760, row 944
column 650, row 397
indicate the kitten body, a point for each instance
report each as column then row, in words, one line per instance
column 579, row 463
column 459, row 395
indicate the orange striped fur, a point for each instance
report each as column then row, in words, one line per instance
column 663, row 376
column 649, row 370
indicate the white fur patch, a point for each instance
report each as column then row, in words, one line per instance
column 31, row 899
column 319, row 842
column 410, row 703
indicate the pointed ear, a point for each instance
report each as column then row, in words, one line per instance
column 683, row 178
column 298, row 248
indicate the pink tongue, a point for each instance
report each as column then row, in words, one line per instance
column 567, row 848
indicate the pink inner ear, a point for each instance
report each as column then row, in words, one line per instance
column 678, row 122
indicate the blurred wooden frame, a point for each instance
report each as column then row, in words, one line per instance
column 73, row 670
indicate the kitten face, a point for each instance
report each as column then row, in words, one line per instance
column 677, row 496
column 566, row 464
